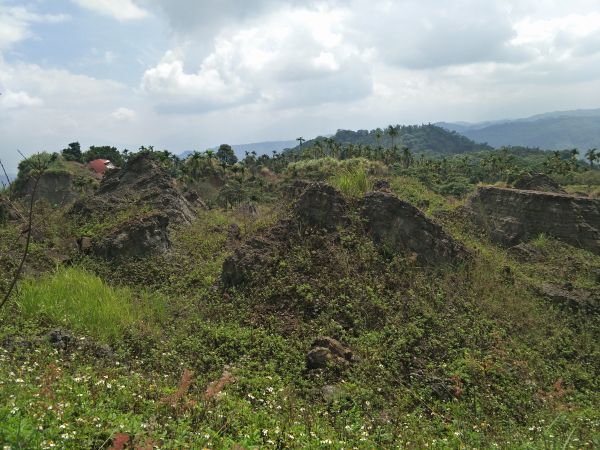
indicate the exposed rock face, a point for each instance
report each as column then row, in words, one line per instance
column 401, row 227
column 321, row 206
column 381, row 185
column 143, row 183
column 391, row 222
column 326, row 351
column 539, row 182
column 511, row 216
column 255, row 253
column 571, row 297
column 526, row 253
column 55, row 187
column 134, row 239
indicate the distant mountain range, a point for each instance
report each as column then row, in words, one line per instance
column 260, row 148
column 550, row 131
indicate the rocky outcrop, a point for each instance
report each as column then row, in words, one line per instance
column 511, row 216
column 54, row 187
column 525, row 252
column 571, row 297
column 538, row 182
column 392, row 223
column 134, row 239
column 321, row 206
column 327, row 351
column 256, row 253
column 398, row 226
column 142, row 183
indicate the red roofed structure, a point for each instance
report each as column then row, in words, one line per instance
column 100, row 165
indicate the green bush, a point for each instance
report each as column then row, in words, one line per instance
column 84, row 303
column 352, row 182
column 323, row 168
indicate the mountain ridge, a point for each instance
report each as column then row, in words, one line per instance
column 551, row 131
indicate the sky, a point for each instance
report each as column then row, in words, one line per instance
column 191, row 74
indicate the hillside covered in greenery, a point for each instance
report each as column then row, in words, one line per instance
column 427, row 139
column 341, row 295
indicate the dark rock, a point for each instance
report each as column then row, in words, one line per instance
column 142, row 183
column 526, row 253
column 194, row 199
column 381, row 185
column 84, row 244
column 55, row 187
column 61, row 339
column 134, row 239
column 538, row 182
column 326, row 351
column 400, row 227
column 255, row 254
column 571, row 297
column 511, row 216
column 234, row 235
column 294, row 189
column 321, row 206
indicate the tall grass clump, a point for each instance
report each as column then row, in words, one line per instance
column 84, row 303
column 352, row 182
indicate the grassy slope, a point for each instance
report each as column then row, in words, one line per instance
column 450, row 358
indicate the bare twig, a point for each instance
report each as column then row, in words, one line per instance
column 5, row 174
column 39, row 171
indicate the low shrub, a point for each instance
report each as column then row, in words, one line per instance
column 352, row 182
column 84, row 303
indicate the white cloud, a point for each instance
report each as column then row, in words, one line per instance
column 123, row 113
column 118, row 9
column 18, row 99
column 15, row 23
column 294, row 57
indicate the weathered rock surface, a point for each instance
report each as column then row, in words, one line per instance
column 134, row 239
column 511, row 216
column 255, row 253
column 391, row 222
column 327, row 351
column 142, row 183
column 381, row 185
column 526, row 253
column 400, row 227
column 569, row 296
column 538, row 182
column 55, row 187
column 321, row 206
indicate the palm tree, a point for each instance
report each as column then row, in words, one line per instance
column 301, row 140
column 407, row 157
column 592, row 156
column 378, row 136
column 392, row 131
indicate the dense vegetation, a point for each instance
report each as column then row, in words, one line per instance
column 156, row 352
column 428, row 139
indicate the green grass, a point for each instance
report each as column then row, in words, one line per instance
column 85, row 304
column 352, row 182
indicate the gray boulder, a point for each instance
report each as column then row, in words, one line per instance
column 398, row 226
column 322, row 206
column 135, row 239
column 538, row 182
column 327, row 351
